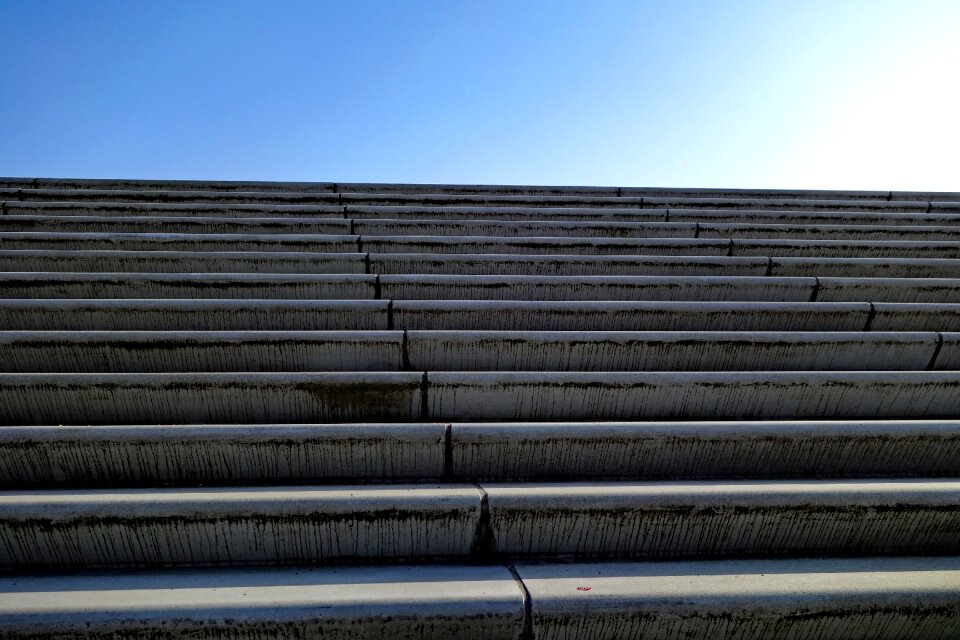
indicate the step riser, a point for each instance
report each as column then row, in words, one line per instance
column 246, row 454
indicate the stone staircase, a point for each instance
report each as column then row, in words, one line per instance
column 316, row 410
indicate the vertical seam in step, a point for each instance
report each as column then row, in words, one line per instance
column 816, row 290
column 484, row 545
column 3, row 207
column 405, row 353
column 389, row 314
column 527, row 632
column 448, row 451
column 929, row 206
column 936, row 352
column 359, row 243
column 350, row 220
column 339, row 198
column 769, row 266
column 366, row 262
column 873, row 311
column 619, row 192
column 730, row 248
column 424, row 404
column 889, row 196
column 696, row 229
column 666, row 215
column 345, row 209
column 376, row 286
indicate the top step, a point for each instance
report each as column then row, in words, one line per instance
column 384, row 188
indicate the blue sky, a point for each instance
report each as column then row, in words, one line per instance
column 837, row 94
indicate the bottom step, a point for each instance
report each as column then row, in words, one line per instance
column 874, row 598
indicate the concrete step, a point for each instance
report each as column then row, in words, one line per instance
column 862, row 599
column 774, row 395
column 256, row 397
column 856, row 599
column 181, row 351
column 431, row 602
column 194, row 315
column 179, row 210
column 170, row 224
column 179, row 241
column 58, row 284
column 229, row 351
column 324, row 524
column 219, row 454
column 152, row 398
column 188, row 261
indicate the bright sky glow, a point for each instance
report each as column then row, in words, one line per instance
column 840, row 94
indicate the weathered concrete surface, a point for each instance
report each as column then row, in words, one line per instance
column 782, row 395
column 866, row 267
column 193, row 315
column 525, row 228
column 928, row 290
column 596, row 288
column 559, row 214
column 667, row 351
column 547, row 246
column 810, row 217
column 172, row 224
column 427, row 601
column 152, row 455
column 179, row 195
column 180, row 241
column 232, row 210
column 846, row 248
column 565, row 265
column 672, row 520
column 179, row 351
column 646, row 316
column 229, row 526
column 792, row 204
column 891, row 316
column 182, row 261
column 198, row 398
column 828, row 231
column 702, row 450
column 856, row 599
column 291, row 286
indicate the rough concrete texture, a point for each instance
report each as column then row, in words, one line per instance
column 546, row 246
column 152, row 455
column 668, row 351
column 781, row 395
column 225, row 526
column 430, row 602
column 172, row 224
column 663, row 450
column 179, row 351
column 859, row 599
column 178, row 241
column 666, row 520
column 144, row 398
column 177, row 210
column 193, row 315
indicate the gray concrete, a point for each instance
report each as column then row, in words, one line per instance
column 948, row 358
column 565, row 265
column 540, row 228
column 847, row 248
column 667, row 351
column 865, row 267
column 179, row 195
column 810, row 217
column 797, row 204
column 780, row 395
column 182, row 351
column 927, row 290
column 427, row 601
column 229, row 526
column 57, row 284
column 171, row 224
column 198, row 398
column 546, row 246
column 703, row 450
column 673, row 520
column 557, row 214
column 892, row 316
column 231, row 210
column 596, row 288
column 183, row 261
column 179, row 241
column 854, row 599
column 193, row 315
column 829, row 231
column 648, row 316
column 220, row 454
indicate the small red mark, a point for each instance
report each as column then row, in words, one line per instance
column 584, row 588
